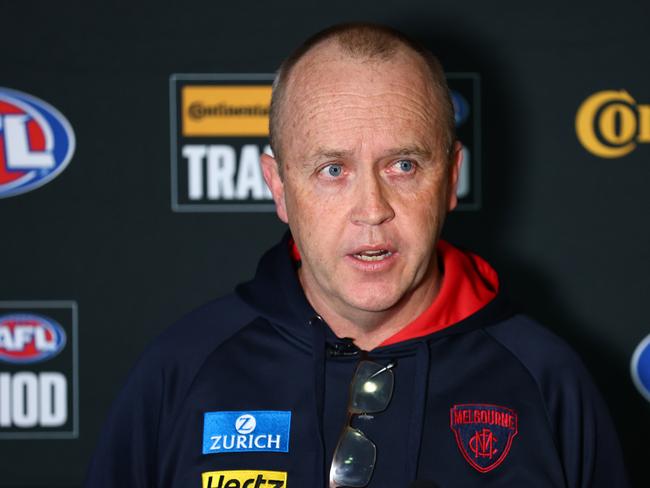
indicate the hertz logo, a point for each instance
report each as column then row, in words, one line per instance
column 244, row 479
column 219, row 111
column 610, row 123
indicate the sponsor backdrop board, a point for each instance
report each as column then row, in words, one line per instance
column 38, row 370
column 129, row 192
column 219, row 128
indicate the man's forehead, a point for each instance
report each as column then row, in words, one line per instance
column 331, row 85
column 362, row 142
column 338, row 102
column 327, row 65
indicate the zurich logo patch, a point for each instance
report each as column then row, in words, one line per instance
column 483, row 433
column 253, row 431
column 36, row 142
column 29, row 338
column 640, row 367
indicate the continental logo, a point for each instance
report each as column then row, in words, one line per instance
column 244, row 479
column 610, row 124
column 221, row 111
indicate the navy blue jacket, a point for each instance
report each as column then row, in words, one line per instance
column 493, row 400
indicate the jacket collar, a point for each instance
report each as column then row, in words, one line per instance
column 469, row 297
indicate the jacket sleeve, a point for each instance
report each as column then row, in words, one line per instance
column 585, row 436
column 125, row 456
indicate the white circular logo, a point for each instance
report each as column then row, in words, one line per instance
column 245, row 424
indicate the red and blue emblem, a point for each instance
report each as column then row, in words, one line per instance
column 29, row 338
column 36, row 142
column 484, row 433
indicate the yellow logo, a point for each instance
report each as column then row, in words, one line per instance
column 244, row 479
column 228, row 110
column 610, row 123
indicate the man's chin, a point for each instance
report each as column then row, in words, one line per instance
column 373, row 302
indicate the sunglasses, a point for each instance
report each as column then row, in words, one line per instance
column 354, row 457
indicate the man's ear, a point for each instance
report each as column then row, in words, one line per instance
column 276, row 185
column 456, row 160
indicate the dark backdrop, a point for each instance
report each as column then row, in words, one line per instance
column 567, row 230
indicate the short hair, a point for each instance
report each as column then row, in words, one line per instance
column 365, row 41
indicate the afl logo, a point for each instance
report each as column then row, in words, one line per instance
column 640, row 367
column 36, row 142
column 29, row 338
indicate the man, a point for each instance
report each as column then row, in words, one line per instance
column 365, row 352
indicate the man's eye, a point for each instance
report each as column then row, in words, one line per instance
column 404, row 165
column 332, row 170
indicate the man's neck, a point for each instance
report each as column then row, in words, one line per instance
column 369, row 329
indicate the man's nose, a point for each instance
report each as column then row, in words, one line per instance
column 371, row 207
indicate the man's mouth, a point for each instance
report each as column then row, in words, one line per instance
column 375, row 255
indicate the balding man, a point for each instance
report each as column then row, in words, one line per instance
column 365, row 352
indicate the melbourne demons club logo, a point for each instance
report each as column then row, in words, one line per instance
column 483, row 433
column 36, row 142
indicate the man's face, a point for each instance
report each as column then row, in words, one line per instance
column 366, row 180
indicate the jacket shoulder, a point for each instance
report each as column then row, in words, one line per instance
column 577, row 415
column 155, row 388
column 197, row 334
column 559, row 374
column 539, row 350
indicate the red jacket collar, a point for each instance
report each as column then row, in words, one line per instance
column 468, row 284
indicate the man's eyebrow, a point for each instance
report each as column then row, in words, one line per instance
column 324, row 154
column 331, row 153
column 411, row 150
column 414, row 150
